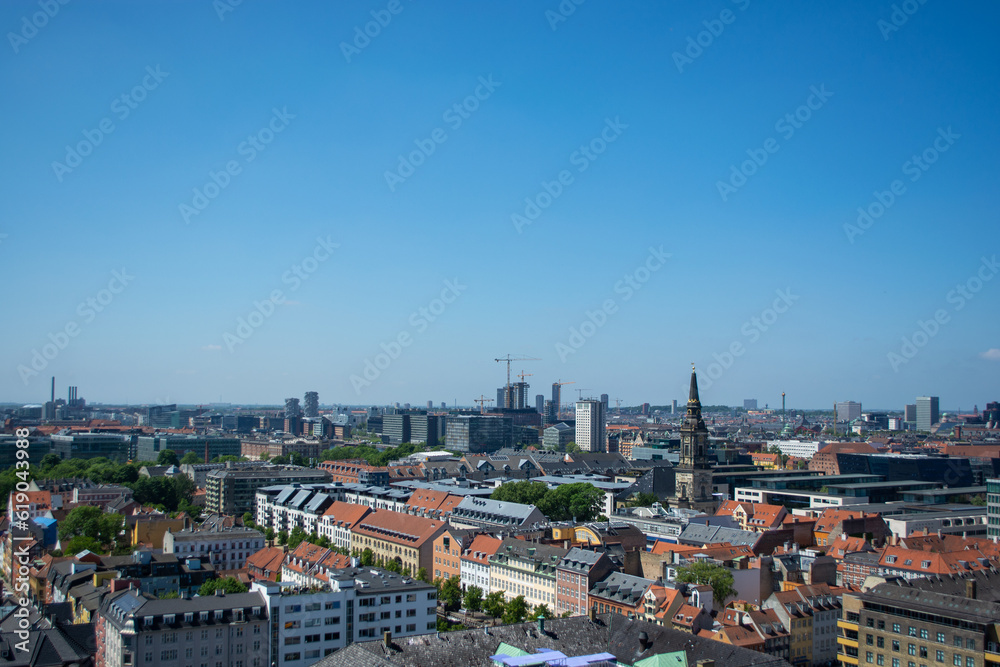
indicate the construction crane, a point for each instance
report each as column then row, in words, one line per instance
column 579, row 395
column 482, row 400
column 618, row 405
column 509, row 359
column 523, row 375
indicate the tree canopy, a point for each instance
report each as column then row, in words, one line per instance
column 228, row 584
column 716, row 576
column 91, row 522
column 580, row 500
column 168, row 457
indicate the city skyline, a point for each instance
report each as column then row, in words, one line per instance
column 260, row 200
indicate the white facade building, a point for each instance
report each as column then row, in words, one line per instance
column 591, row 426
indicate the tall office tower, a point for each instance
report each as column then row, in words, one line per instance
column 444, row 406
column 312, row 404
column 292, row 408
column 749, row 403
column 549, row 415
column 556, row 398
column 848, row 411
column 519, row 395
column 540, row 403
column 645, row 409
column 502, row 397
column 430, row 405
column 927, row 412
column 910, row 413
column 604, row 400
column 591, row 429
column 673, row 407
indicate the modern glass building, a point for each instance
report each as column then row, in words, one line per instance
column 927, row 412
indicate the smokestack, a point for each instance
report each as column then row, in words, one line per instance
column 53, row 399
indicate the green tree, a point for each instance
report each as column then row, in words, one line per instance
column 279, row 460
column 422, row 575
column 494, row 604
column 572, row 448
column 168, row 457
column 49, row 461
column 393, row 565
column 541, row 611
column 91, row 522
column 283, row 538
column 581, row 501
column 168, row 595
column 190, row 458
column 977, row 500
column 83, row 543
column 296, row 537
column 515, row 611
column 367, row 557
column 643, row 499
column 524, row 492
column 716, row 576
column 248, row 519
column 228, row 584
column 473, row 598
column 269, row 534
column 450, row 593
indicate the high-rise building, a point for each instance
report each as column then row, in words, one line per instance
column 311, row 405
column 540, row 403
column 292, row 408
column 848, row 411
column 519, row 395
column 430, row 405
column 749, row 403
column 927, row 412
column 591, row 426
column 673, row 407
column 396, row 429
column 478, row 434
column 693, row 476
column 502, row 397
column 556, row 398
column 604, row 400
column 910, row 413
column 645, row 409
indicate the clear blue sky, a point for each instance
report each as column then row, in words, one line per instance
column 675, row 126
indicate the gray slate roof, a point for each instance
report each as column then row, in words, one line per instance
column 573, row 636
column 698, row 534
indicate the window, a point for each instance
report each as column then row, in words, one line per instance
column 411, row 613
column 880, row 642
column 881, row 625
column 912, row 631
column 940, row 637
column 970, row 661
column 970, row 644
column 911, row 649
column 332, row 620
column 895, row 644
column 939, row 656
column 923, row 651
column 895, row 628
column 292, row 641
column 957, row 660
column 879, row 659
column 870, row 622
column 958, row 642
column 869, row 656
column 924, row 634
column 292, row 656
column 895, row 662
column 168, row 655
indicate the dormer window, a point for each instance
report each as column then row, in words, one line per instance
column 203, row 616
column 218, row 614
column 169, row 618
column 147, row 620
column 189, row 617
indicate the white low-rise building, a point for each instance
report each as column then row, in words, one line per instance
column 228, row 548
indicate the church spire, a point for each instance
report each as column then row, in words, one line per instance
column 693, row 394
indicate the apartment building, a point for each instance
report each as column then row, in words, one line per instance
column 226, row 548
column 311, row 565
column 525, row 568
column 475, row 562
column 338, row 520
column 359, row 604
column 487, row 514
column 949, row 620
column 576, row 573
column 396, row 536
column 810, row 614
column 448, row 552
column 138, row 630
column 619, row 593
column 232, row 490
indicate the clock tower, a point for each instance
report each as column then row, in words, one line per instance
column 693, row 475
